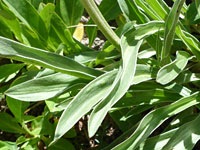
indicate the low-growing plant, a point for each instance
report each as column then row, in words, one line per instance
column 145, row 79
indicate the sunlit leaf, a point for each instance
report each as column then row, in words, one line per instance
column 185, row 137
column 155, row 118
column 170, row 71
column 17, row 51
column 91, row 94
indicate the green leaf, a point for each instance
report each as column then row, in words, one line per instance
column 85, row 56
column 130, row 44
column 157, row 142
column 58, row 104
column 10, row 20
column 5, row 30
column 143, row 73
column 6, row 145
column 132, row 12
column 109, row 49
column 197, row 2
column 170, row 71
column 187, row 77
column 190, row 41
column 91, row 32
column 70, row 11
column 157, row 7
column 83, row 102
column 147, row 53
column 9, row 69
column 9, row 124
column 148, row 9
column 31, row 144
column 17, row 51
column 182, row 118
column 30, row 38
column 44, row 88
column 185, row 137
column 182, row 90
column 120, row 87
column 125, row 118
column 17, row 107
column 192, row 14
column 64, row 34
column 41, row 125
column 46, row 14
column 154, row 119
column 54, row 38
column 152, row 85
column 62, row 144
column 36, row 3
column 109, row 9
column 141, row 97
column 170, row 26
column 23, row 10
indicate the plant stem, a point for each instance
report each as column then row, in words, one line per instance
column 26, row 129
column 100, row 21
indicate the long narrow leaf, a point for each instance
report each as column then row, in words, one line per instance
column 71, row 11
column 170, row 26
column 23, row 9
column 154, row 119
column 11, row 21
column 17, row 51
column 187, row 77
column 157, row 142
column 186, row 136
column 130, row 44
column 197, row 2
column 141, row 97
column 190, row 41
column 83, row 102
column 157, row 7
column 43, row 88
column 132, row 12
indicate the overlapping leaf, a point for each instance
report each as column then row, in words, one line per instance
column 154, row 119
column 157, row 142
column 83, row 102
column 130, row 44
column 71, row 11
column 23, row 9
column 170, row 26
column 9, row 124
column 17, row 51
column 170, row 71
column 44, row 88
column 185, row 137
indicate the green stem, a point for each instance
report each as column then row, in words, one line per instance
column 100, row 21
column 26, row 129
